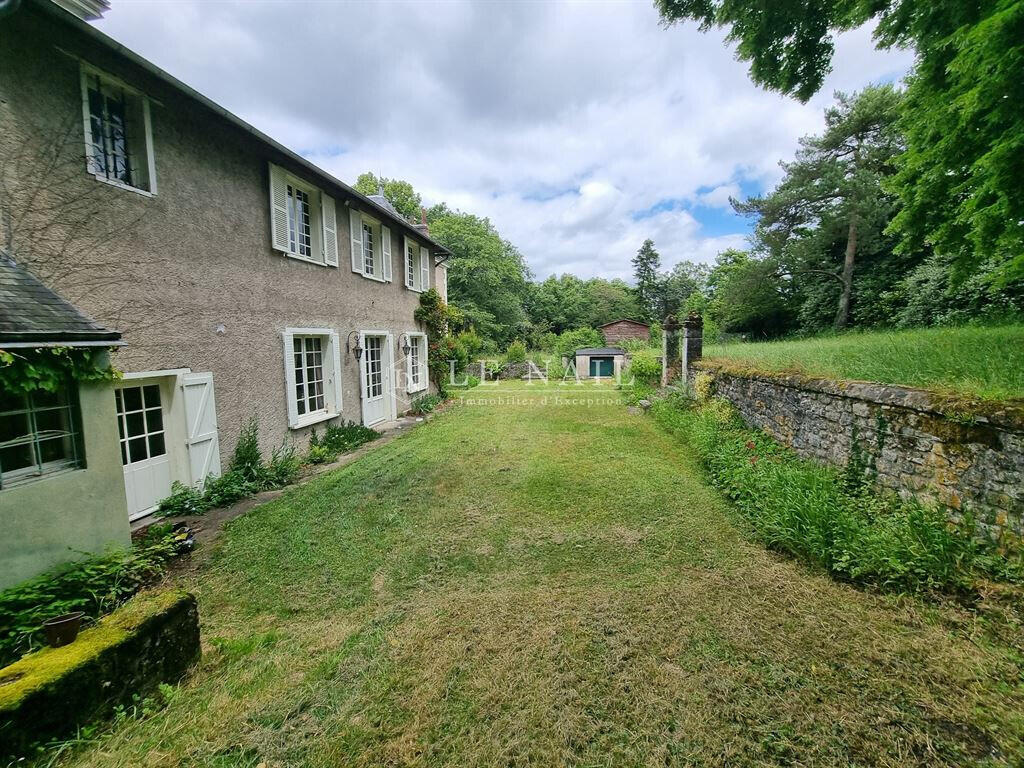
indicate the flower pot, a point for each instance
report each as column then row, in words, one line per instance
column 63, row 629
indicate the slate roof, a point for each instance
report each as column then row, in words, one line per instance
column 600, row 351
column 32, row 313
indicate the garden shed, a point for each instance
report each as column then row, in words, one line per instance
column 599, row 362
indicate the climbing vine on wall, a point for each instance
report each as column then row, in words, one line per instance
column 49, row 368
column 437, row 317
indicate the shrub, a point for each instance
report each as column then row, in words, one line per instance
column 807, row 510
column 569, row 341
column 425, row 404
column 318, row 454
column 247, row 460
column 347, row 436
column 283, row 468
column 516, row 352
column 646, row 370
column 184, row 500
column 95, row 586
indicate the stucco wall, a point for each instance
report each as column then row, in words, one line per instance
column 906, row 440
column 188, row 275
column 56, row 518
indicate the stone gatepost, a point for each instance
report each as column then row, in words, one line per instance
column 671, row 362
column 693, row 345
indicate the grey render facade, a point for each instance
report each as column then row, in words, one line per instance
column 229, row 264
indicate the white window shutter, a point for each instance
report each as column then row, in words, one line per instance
column 424, row 370
column 424, row 269
column 289, row 379
column 355, row 223
column 278, row 209
column 385, row 249
column 330, row 227
column 336, row 373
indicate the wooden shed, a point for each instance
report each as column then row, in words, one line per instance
column 619, row 331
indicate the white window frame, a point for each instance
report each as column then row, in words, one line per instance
column 85, row 72
column 382, row 256
column 424, row 381
column 414, row 254
column 331, row 362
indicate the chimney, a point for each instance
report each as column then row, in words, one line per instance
column 422, row 226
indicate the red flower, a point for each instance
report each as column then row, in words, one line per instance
column 750, row 445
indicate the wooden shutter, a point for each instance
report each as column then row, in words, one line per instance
column 335, row 378
column 405, row 263
column 355, row 223
column 201, row 427
column 385, row 249
column 289, row 379
column 424, row 269
column 424, row 370
column 278, row 209
column 330, row 230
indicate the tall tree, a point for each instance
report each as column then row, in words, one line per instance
column 959, row 181
column 399, row 193
column 609, row 300
column 646, row 265
column 832, row 190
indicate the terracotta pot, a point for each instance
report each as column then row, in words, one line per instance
column 63, row 629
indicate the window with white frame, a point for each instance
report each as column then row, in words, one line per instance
column 416, row 363
column 302, row 219
column 39, row 435
column 417, row 266
column 371, row 247
column 313, row 375
column 118, row 132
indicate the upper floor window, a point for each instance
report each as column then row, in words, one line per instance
column 371, row 247
column 39, row 435
column 302, row 219
column 118, row 132
column 417, row 266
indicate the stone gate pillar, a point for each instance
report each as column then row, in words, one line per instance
column 693, row 345
column 671, row 361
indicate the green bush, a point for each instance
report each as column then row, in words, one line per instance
column 318, row 454
column 569, row 341
column 646, row 370
column 95, row 586
column 184, row 500
column 247, row 460
column 425, row 404
column 812, row 512
column 516, row 352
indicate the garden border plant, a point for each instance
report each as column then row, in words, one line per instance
column 822, row 516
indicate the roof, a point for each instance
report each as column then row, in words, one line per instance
column 599, row 351
column 624, row 320
column 105, row 40
column 33, row 315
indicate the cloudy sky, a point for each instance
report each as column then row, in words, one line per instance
column 579, row 128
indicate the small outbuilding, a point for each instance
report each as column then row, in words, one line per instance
column 619, row 331
column 599, row 362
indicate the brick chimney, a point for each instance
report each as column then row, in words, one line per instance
column 422, row 226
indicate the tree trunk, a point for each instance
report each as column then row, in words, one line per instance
column 843, row 314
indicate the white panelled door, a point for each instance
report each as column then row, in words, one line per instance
column 147, row 467
column 201, row 426
column 375, row 378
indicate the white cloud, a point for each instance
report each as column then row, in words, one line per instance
column 559, row 121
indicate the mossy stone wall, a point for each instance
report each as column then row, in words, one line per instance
column 152, row 639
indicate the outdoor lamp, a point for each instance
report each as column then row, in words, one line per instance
column 406, row 346
column 357, row 350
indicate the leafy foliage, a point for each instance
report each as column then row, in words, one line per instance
column 343, row 438
column 646, row 264
column 425, row 404
column 95, row 586
column 50, row 368
column 810, row 511
column 516, row 352
column 646, row 370
column 399, row 193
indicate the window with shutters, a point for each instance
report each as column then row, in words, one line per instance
column 369, row 255
column 39, row 435
column 302, row 219
column 417, row 261
column 416, row 363
column 313, row 375
column 371, row 247
column 118, row 133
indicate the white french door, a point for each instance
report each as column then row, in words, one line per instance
column 375, row 378
column 147, row 467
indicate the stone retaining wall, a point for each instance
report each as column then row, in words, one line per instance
column 959, row 454
column 152, row 639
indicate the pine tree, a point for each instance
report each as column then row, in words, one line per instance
column 646, row 264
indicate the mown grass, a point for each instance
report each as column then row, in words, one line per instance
column 539, row 577
column 981, row 362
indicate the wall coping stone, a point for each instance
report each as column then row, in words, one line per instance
column 1006, row 414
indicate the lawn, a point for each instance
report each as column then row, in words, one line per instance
column 979, row 362
column 539, row 577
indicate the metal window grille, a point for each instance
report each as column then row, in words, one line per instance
column 111, row 136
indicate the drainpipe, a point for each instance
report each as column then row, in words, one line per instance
column 7, row 7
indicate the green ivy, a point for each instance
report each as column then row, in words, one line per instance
column 49, row 368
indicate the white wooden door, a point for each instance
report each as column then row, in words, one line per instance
column 141, row 420
column 376, row 382
column 201, row 427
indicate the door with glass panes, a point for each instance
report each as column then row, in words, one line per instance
column 375, row 378
column 147, row 467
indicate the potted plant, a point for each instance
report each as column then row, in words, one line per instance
column 62, row 630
